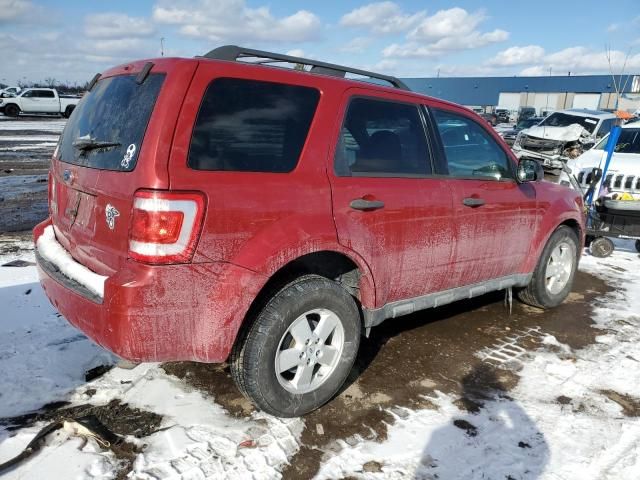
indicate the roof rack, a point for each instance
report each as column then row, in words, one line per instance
column 233, row 53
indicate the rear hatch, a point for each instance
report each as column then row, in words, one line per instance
column 101, row 160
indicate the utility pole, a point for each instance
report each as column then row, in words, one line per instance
column 162, row 46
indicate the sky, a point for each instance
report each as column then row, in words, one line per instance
column 71, row 40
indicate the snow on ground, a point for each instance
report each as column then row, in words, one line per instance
column 531, row 435
column 527, row 433
column 197, row 438
column 46, row 124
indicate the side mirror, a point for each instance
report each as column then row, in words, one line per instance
column 529, row 171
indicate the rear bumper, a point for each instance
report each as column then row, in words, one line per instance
column 158, row 313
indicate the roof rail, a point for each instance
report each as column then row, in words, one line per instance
column 233, row 53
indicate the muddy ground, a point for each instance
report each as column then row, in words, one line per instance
column 24, row 162
column 409, row 358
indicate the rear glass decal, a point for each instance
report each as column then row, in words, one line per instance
column 128, row 156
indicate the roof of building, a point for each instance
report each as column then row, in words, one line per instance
column 486, row 90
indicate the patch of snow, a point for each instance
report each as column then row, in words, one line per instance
column 55, row 253
column 43, row 125
column 197, row 438
column 37, row 345
column 561, row 422
column 37, row 146
column 30, row 138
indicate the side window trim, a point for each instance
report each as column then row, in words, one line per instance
column 439, row 159
column 344, row 171
column 510, row 163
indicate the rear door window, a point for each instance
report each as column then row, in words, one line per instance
column 251, row 126
column 382, row 138
column 471, row 152
column 108, row 125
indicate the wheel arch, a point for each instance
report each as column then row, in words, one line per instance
column 567, row 221
column 347, row 270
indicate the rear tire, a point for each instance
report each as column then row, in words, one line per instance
column 12, row 110
column 552, row 279
column 68, row 111
column 602, row 247
column 588, row 239
column 313, row 327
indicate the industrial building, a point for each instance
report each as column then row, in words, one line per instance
column 596, row 92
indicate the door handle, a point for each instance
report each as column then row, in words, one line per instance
column 362, row 204
column 473, row 202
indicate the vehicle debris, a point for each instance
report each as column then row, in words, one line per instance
column 563, row 136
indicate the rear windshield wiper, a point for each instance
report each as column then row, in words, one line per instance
column 86, row 144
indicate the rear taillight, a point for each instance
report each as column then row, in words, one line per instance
column 53, row 205
column 165, row 226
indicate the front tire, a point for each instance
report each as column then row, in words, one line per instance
column 12, row 110
column 552, row 279
column 300, row 349
column 638, row 245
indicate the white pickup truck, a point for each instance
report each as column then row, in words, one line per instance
column 38, row 100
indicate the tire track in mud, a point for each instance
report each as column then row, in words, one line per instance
column 410, row 358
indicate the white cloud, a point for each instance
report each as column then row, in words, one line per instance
column 356, row 45
column 296, row 52
column 454, row 22
column 614, row 27
column 582, row 60
column 382, row 17
column 231, row 20
column 116, row 25
column 12, row 9
column 446, row 31
column 517, row 56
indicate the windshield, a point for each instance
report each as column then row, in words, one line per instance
column 558, row 119
column 522, row 124
column 629, row 141
column 106, row 128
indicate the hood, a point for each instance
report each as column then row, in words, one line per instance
column 589, row 159
column 565, row 134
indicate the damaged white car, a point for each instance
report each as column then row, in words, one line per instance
column 563, row 136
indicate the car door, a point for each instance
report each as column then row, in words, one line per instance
column 30, row 101
column 48, row 101
column 387, row 205
column 496, row 217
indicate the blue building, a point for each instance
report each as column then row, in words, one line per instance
column 543, row 93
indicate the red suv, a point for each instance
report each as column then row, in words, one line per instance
column 219, row 208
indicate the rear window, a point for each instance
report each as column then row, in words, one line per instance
column 251, row 126
column 107, row 127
